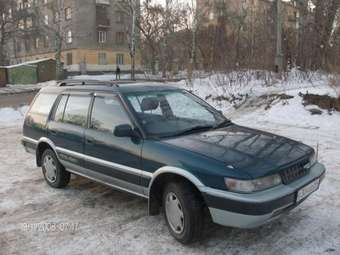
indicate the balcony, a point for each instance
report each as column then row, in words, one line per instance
column 102, row 17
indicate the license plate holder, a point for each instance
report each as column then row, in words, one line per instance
column 307, row 190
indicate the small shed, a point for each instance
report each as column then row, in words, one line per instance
column 32, row 72
column 22, row 74
column 46, row 70
column 3, row 76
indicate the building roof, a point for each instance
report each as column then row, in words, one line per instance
column 29, row 63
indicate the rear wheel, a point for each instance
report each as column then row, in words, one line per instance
column 183, row 211
column 54, row 173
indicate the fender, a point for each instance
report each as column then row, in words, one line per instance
column 50, row 143
column 153, row 203
column 179, row 171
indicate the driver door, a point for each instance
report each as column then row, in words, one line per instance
column 116, row 160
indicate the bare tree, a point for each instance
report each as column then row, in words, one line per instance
column 150, row 25
column 7, row 27
column 325, row 15
column 57, row 29
column 132, row 9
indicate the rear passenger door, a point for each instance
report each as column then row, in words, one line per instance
column 67, row 126
column 116, row 159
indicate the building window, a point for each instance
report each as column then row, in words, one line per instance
column 120, row 17
column 69, row 38
column 46, row 41
column 102, row 59
column 18, row 46
column 120, row 37
column 46, row 20
column 69, row 59
column 29, row 22
column 20, row 5
column 120, row 59
column 68, row 13
column 27, row 45
column 56, row 17
column 37, row 43
column 10, row 16
column 27, row 3
column 21, row 24
column 102, row 36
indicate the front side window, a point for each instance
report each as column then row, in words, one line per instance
column 43, row 104
column 76, row 110
column 107, row 113
column 170, row 113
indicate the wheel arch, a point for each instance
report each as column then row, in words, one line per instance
column 165, row 175
column 43, row 144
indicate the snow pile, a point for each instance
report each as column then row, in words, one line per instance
column 227, row 91
column 33, row 86
column 11, row 117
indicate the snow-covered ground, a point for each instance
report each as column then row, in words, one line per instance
column 105, row 221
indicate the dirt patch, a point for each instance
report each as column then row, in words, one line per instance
column 270, row 100
column 324, row 102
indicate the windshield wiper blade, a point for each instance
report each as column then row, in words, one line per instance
column 222, row 124
column 195, row 129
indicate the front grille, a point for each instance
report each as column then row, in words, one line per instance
column 294, row 172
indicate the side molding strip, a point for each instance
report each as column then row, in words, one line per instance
column 120, row 167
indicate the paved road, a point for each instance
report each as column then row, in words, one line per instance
column 88, row 218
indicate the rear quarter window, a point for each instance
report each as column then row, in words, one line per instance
column 43, row 104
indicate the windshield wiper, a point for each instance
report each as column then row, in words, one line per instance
column 222, row 124
column 194, row 129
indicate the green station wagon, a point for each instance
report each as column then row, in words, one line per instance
column 170, row 147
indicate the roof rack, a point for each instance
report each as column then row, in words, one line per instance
column 66, row 83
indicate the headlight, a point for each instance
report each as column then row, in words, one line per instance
column 250, row 186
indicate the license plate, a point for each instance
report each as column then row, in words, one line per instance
column 307, row 190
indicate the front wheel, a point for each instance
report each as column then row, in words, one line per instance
column 183, row 211
column 54, row 173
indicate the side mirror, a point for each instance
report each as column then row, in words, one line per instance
column 124, row 131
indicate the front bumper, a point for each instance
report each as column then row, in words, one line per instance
column 253, row 210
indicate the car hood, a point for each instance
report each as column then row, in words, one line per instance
column 255, row 152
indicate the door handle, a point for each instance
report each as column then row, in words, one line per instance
column 53, row 132
column 89, row 141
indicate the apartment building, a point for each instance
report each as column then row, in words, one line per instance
column 94, row 34
column 249, row 10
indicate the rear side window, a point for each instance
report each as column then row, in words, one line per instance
column 43, row 104
column 76, row 110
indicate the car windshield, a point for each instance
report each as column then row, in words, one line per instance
column 173, row 113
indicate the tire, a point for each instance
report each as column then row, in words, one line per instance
column 54, row 173
column 186, row 228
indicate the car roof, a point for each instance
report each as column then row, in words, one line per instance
column 106, row 86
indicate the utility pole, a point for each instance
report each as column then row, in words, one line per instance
column 302, row 11
column 279, row 53
column 165, row 39
column 194, row 38
column 133, row 38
